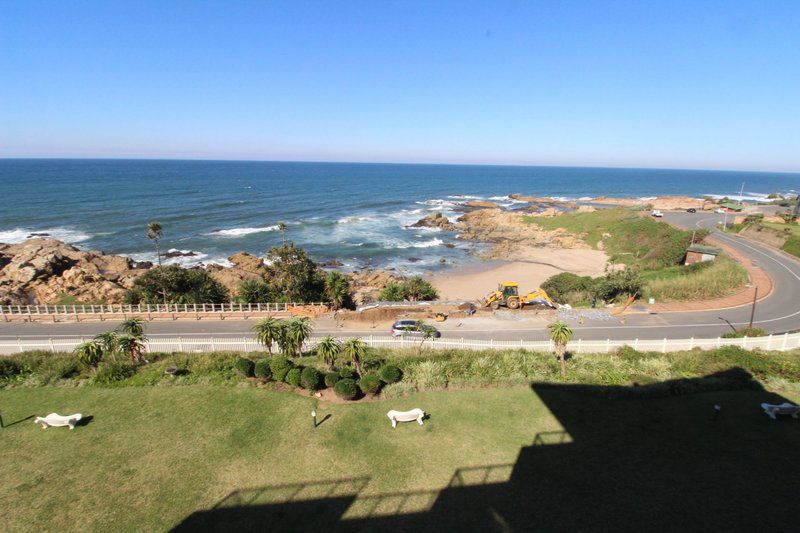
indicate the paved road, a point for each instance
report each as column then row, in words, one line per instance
column 779, row 313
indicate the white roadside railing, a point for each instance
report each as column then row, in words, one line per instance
column 210, row 343
column 117, row 311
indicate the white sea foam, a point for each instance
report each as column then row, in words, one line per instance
column 354, row 219
column 238, row 232
column 423, row 244
column 198, row 258
column 68, row 235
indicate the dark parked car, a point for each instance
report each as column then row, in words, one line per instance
column 412, row 328
column 691, row 210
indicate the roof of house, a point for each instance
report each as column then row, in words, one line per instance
column 732, row 207
column 701, row 249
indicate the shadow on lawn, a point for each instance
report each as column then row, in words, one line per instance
column 629, row 459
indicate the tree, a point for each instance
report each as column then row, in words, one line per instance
column 427, row 331
column 253, row 291
column 108, row 342
column 293, row 275
column 89, row 353
column 417, row 289
column 337, row 290
column 621, row 283
column 328, row 350
column 297, row 332
column 282, row 229
column 155, row 232
column 392, row 292
column 184, row 286
column 134, row 327
column 355, row 350
column 560, row 334
column 268, row 332
column 132, row 346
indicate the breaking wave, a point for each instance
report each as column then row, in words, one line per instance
column 67, row 235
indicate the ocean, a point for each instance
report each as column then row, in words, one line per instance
column 355, row 214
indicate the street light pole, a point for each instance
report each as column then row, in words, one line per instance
column 753, row 310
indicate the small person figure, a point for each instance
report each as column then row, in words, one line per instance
column 717, row 410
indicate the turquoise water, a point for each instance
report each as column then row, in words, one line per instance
column 352, row 213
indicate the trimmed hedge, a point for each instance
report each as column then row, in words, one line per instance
column 370, row 383
column 309, row 378
column 280, row 366
column 331, row 378
column 245, row 367
column 293, row 377
column 346, row 389
column 113, row 371
column 391, row 374
column 347, row 372
column 262, row 369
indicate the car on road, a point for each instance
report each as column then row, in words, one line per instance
column 720, row 211
column 656, row 213
column 691, row 210
column 413, row 328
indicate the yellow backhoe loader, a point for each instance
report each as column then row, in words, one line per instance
column 507, row 295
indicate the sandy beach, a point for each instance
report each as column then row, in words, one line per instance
column 534, row 266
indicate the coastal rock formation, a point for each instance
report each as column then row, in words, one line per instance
column 548, row 212
column 510, row 233
column 482, row 204
column 245, row 266
column 434, row 220
column 365, row 285
column 532, row 199
column 40, row 271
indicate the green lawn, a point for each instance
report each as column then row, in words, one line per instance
column 794, row 229
column 212, row 457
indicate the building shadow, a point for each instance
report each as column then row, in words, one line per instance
column 629, row 459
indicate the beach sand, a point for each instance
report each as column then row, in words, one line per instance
column 533, row 267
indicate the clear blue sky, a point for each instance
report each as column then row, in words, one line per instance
column 697, row 84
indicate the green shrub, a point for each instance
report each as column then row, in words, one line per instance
column 113, row 371
column 792, row 245
column 9, row 368
column 331, row 378
column 346, row 389
column 182, row 285
column 293, row 377
column 391, row 374
column 262, row 369
column 245, row 367
column 398, row 390
column 370, row 384
column 562, row 285
column 58, row 368
column 744, row 332
column 347, row 372
column 309, row 378
column 413, row 289
column 280, row 366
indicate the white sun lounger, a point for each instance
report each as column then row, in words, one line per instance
column 785, row 408
column 406, row 416
column 56, row 420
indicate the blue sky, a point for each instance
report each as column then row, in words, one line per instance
column 698, row 84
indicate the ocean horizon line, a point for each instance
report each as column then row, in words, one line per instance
column 403, row 163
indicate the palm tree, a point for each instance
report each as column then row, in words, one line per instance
column 133, row 347
column 108, row 342
column 337, row 289
column 282, row 229
column 328, row 350
column 560, row 334
column 297, row 332
column 89, row 353
column 154, row 233
column 133, row 326
column 355, row 349
column 268, row 332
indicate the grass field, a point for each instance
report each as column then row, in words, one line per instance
column 794, row 229
column 232, row 458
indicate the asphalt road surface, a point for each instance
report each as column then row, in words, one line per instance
column 778, row 313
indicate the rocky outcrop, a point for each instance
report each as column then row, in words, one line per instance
column 40, row 271
column 482, row 204
column 245, row 267
column 532, row 199
column 434, row 220
column 509, row 233
column 547, row 212
column 365, row 285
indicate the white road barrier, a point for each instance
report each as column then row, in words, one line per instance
column 210, row 343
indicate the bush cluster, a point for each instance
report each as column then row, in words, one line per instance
column 370, row 384
column 279, row 366
column 262, row 369
column 346, row 389
column 309, row 378
column 331, row 378
column 413, row 289
column 293, row 377
column 245, row 367
column 391, row 373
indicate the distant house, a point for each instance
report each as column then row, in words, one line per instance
column 697, row 253
column 731, row 208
